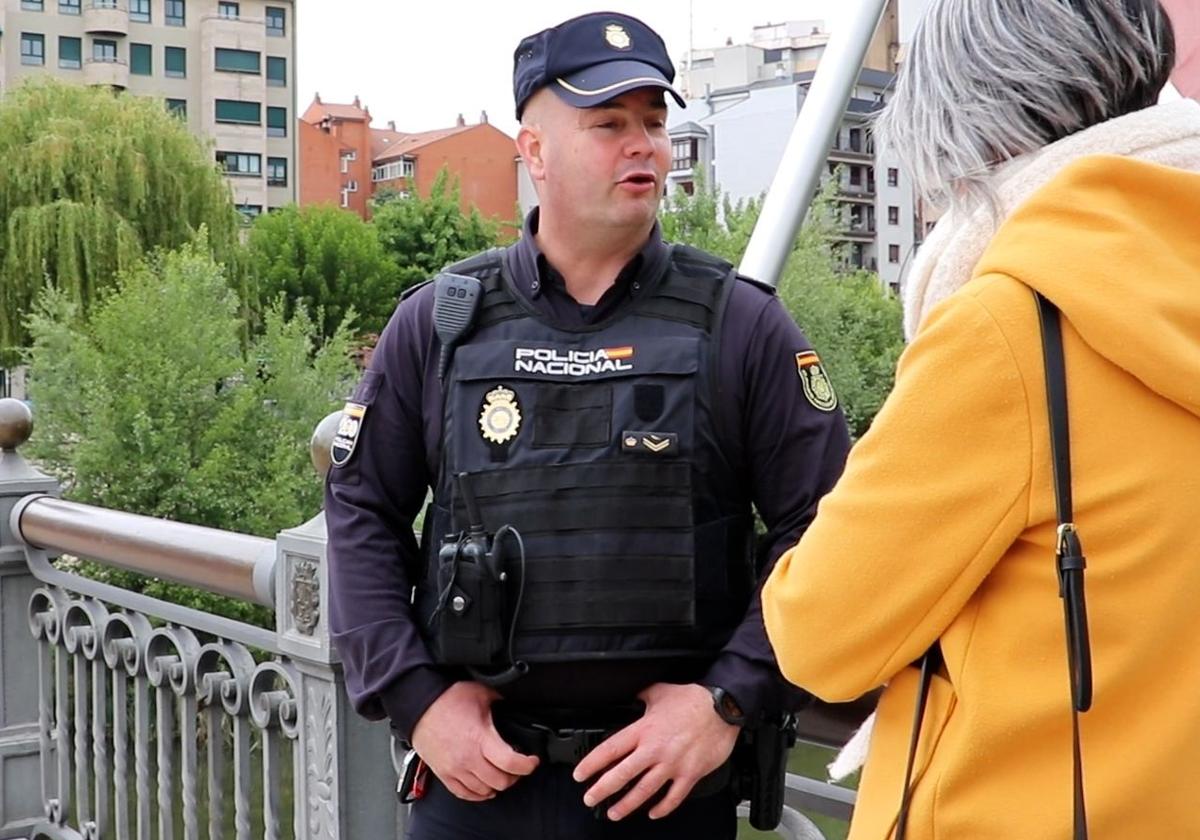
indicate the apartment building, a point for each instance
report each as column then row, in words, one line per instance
column 345, row 160
column 778, row 51
column 735, row 139
column 228, row 67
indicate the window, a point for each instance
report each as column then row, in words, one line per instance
column 104, row 4
column 391, row 171
column 352, row 186
column 276, row 72
column 276, row 21
column 68, row 7
column 893, row 177
column 70, row 52
column 688, row 187
column 893, row 215
column 234, row 111
column 33, row 48
column 772, row 56
column 893, row 253
column 276, row 172
column 139, row 11
column 175, row 62
column 250, row 211
column 104, row 51
column 684, row 153
column 33, row 5
column 240, row 163
column 178, row 107
column 141, row 59
column 229, row 11
column 238, row 61
column 175, row 13
column 348, row 158
column 856, row 176
column 276, row 122
column 856, row 139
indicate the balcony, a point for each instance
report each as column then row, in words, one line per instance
column 844, row 153
column 856, row 193
column 105, row 17
column 110, row 72
column 856, row 232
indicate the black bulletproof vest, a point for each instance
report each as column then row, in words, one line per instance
column 600, row 447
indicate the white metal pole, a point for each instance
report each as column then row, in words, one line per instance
column 799, row 172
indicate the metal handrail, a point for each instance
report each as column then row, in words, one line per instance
column 227, row 563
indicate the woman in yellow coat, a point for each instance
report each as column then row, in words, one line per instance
column 1034, row 122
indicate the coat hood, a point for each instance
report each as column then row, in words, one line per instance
column 1114, row 243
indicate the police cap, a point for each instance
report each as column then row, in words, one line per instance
column 592, row 59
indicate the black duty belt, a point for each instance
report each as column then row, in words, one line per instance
column 549, row 735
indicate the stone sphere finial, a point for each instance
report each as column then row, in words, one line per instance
column 16, row 424
column 322, row 439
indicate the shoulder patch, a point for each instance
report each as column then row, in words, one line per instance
column 353, row 413
column 347, row 433
column 815, row 381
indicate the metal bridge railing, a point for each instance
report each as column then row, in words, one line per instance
column 130, row 717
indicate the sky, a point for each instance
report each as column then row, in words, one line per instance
column 422, row 64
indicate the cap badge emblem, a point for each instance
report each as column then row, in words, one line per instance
column 617, row 37
column 500, row 419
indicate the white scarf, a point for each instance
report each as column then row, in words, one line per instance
column 1167, row 134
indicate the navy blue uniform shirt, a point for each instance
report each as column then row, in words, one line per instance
column 787, row 452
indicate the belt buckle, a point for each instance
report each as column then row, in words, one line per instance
column 569, row 746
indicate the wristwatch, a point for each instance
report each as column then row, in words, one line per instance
column 726, row 707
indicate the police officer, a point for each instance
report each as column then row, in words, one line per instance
column 575, row 644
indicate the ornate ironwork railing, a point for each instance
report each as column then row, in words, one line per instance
column 127, row 716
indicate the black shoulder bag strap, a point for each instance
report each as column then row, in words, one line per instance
column 1069, row 562
column 1069, row 550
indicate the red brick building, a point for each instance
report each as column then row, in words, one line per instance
column 344, row 160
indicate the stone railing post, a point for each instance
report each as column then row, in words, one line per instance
column 20, row 774
column 345, row 777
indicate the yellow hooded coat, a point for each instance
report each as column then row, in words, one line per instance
column 943, row 528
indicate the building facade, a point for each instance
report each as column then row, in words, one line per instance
column 346, row 161
column 734, row 139
column 781, row 51
column 227, row 67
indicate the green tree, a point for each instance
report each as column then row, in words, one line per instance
column 425, row 234
column 325, row 262
column 91, row 181
column 151, row 405
column 852, row 321
column 709, row 220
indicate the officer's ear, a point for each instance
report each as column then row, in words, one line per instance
column 529, row 147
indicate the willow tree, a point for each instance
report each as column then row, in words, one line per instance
column 91, row 181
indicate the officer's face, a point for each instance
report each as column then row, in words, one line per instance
column 604, row 166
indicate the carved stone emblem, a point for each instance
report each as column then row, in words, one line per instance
column 306, row 597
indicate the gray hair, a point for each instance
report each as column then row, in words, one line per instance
column 988, row 80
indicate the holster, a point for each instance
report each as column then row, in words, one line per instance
column 760, row 761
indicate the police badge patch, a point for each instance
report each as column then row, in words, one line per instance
column 346, row 437
column 500, row 417
column 817, row 386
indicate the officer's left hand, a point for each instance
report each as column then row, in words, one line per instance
column 678, row 741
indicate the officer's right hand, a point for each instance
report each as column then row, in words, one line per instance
column 458, row 741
